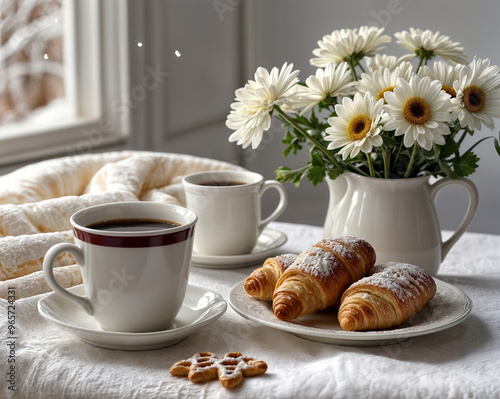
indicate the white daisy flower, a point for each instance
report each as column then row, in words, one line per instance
column 427, row 44
column 371, row 40
column 383, row 80
column 349, row 44
column 382, row 61
column 419, row 110
column 477, row 98
column 443, row 72
column 251, row 113
column 333, row 81
column 248, row 122
column 356, row 128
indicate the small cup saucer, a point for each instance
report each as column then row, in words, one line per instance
column 200, row 308
column 266, row 246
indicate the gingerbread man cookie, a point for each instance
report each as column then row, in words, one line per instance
column 230, row 370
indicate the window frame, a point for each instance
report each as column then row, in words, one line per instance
column 96, row 86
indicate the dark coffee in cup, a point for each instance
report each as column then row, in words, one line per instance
column 133, row 225
column 223, row 183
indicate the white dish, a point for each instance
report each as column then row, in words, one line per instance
column 200, row 307
column 449, row 307
column 266, row 246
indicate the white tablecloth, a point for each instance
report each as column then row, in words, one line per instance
column 460, row 362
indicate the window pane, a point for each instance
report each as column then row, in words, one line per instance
column 31, row 61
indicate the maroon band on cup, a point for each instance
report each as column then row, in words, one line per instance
column 134, row 242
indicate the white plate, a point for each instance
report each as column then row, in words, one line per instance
column 200, row 307
column 267, row 243
column 449, row 307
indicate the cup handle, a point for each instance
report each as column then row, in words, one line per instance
column 469, row 215
column 48, row 272
column 281, row 205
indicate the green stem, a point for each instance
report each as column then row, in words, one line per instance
column 370, row 165
column 318, row 144
column 420, row 63
column 398, row 153
column 412, row 160
column 387, row 163
column 353, row 168
column 456, row 129
column 313, row 140
column 461, row 139
column 353, row 70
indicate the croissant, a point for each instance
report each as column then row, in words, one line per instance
column 262, row 282
column 391, row 294
column 320, row 275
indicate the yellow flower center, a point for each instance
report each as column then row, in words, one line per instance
column 416, row 111
column 450, row 90
column 359, row 126
column 381, row 93
column 474, row 98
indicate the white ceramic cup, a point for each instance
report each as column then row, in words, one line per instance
column 135, row 281
column 229, row 216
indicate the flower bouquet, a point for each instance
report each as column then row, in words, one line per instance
column 374, row 114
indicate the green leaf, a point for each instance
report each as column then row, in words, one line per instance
column 446, row 170
column 448, row 149
column 317, row 159
column 314, row 119
column 284, row 174
column 466, row 164
column 334, row 173
column 497, row 145
column 389, row 141
column 316, row 174
column 293, row 143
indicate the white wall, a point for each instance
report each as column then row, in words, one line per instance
column 200, row 54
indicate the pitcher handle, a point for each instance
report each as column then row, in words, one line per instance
column 471, row 189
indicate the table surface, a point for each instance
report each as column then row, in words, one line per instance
column 462, row 361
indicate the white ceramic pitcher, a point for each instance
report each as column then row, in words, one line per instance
column 396, row 216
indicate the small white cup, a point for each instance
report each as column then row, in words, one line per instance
column 229, row 216
column 135, row 281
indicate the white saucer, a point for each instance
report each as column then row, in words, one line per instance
column 200, row 307
column 267, row 243
column 449, row 307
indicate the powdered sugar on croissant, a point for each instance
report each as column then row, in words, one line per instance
column 390, row 295
column 320, row 275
